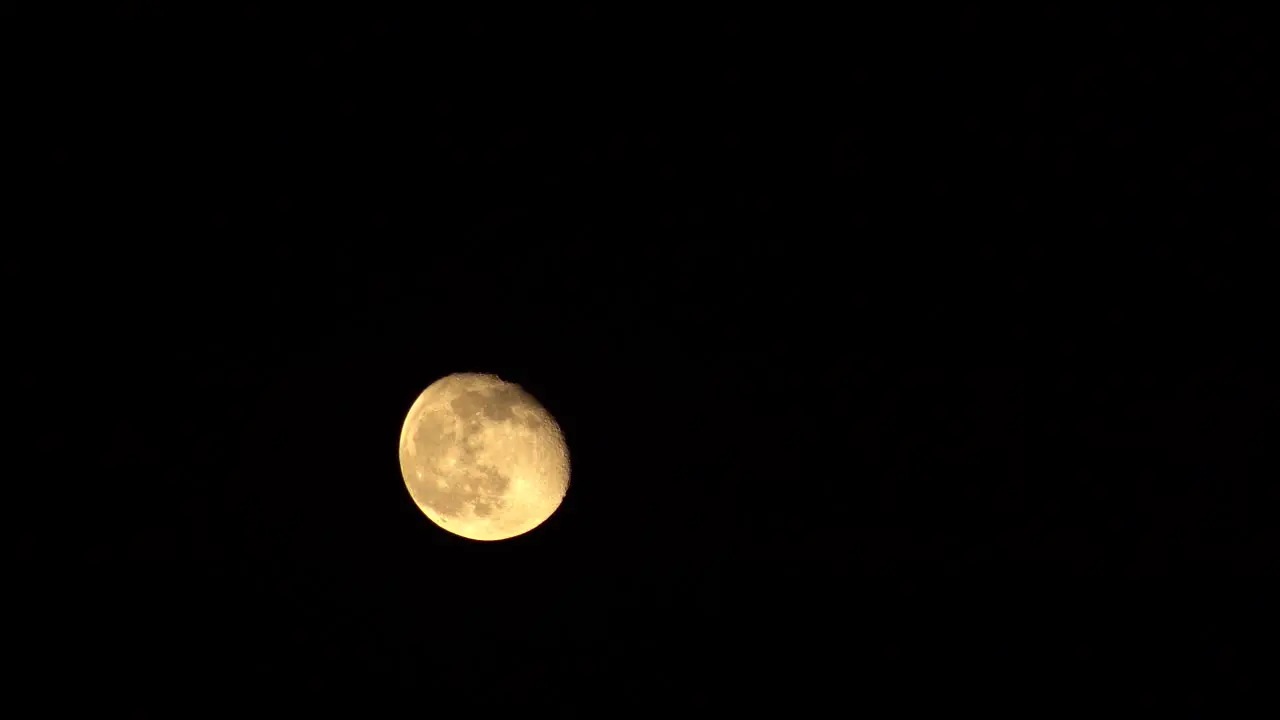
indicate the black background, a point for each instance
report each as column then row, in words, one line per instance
column 902, row 358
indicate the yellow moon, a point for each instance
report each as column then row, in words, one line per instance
column 482, row 458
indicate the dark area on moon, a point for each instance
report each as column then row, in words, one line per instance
column 910, row 361
column 486, row 483
column 455, row 498
column 495, row 403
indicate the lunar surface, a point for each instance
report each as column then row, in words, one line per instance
column 482, row 458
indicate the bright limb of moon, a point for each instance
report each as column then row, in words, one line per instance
column 482, row 458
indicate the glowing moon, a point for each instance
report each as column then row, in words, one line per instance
column 482, row 458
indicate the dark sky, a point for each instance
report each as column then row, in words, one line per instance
column 902, row 360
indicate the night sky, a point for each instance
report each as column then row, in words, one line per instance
column 903, row 360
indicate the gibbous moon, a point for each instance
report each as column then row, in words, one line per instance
column 482, row 458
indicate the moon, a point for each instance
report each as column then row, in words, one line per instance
column 482, row 458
